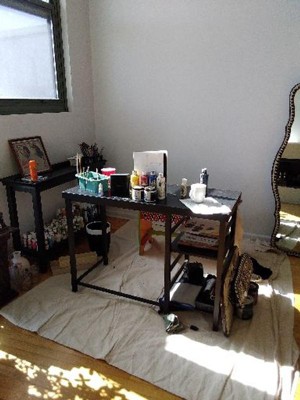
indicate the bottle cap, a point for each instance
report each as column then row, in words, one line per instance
column 184, row 181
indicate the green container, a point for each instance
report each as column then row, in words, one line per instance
column 90, row 181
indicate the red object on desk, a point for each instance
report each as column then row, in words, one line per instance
column 33, row 170
column 108, row 171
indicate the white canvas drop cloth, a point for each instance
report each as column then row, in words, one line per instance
column 255, row 362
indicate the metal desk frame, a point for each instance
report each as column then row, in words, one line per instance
column 168, row 207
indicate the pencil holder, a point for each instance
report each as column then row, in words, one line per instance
column 90, row 181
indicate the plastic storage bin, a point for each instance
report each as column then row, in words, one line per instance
column 90, row 181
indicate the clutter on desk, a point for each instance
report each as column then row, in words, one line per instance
column 208, row 206
column 198, row 192
column 93, row 181
column 147, row 182
column 74, row 161
column 150, row 194
column 161, row 186
column 40, row 178
column 33, row 170
column 183, row 188
column 119, row 185
column 204, row 178
column 147, row 161
column 108, row 171
column 149, row 176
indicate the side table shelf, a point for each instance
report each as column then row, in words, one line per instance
column 6, row 292
column 60, row 173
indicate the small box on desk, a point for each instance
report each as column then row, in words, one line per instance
column 119, row 185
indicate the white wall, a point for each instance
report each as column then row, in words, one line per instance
column 207, row 80
column 62, row 132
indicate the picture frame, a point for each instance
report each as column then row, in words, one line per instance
column 30, row 148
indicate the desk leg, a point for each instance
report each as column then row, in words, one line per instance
column 71, row 241
column 220, row 263
column 167, row 273
column 39, row 228
column 105, row 236
column 13, row 215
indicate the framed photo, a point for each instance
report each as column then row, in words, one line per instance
column 31, row 148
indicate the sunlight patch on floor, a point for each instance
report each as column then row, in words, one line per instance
column 59, row 380
column 229, row 363
column 265, row 290
column 297, row 300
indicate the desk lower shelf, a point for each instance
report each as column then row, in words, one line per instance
column 205, row 252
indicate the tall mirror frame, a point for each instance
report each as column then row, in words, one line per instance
column 286, row 182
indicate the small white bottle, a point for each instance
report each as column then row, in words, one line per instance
column 161, row 186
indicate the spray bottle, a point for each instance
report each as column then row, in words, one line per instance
column 204, row 178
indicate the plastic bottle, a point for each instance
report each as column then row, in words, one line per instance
column 161, row 186
column 152, row 179
column 144, row 179
column 134, row 179
column 183, row 188
column 33, row 170
column 204, row 178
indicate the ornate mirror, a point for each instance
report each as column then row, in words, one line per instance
column 286, row 182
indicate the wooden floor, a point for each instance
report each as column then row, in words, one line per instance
column 35, row 368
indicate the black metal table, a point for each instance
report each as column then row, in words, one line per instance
column 168, row 207
column 60, row 173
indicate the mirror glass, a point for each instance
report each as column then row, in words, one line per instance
column 286, row 182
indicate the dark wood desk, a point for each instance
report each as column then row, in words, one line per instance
column 168, row 207
column 60, row 173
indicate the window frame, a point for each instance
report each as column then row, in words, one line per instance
column 35, row 106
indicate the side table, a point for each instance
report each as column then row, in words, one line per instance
column 60, row 173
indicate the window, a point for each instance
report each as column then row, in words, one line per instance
column 31, row 57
